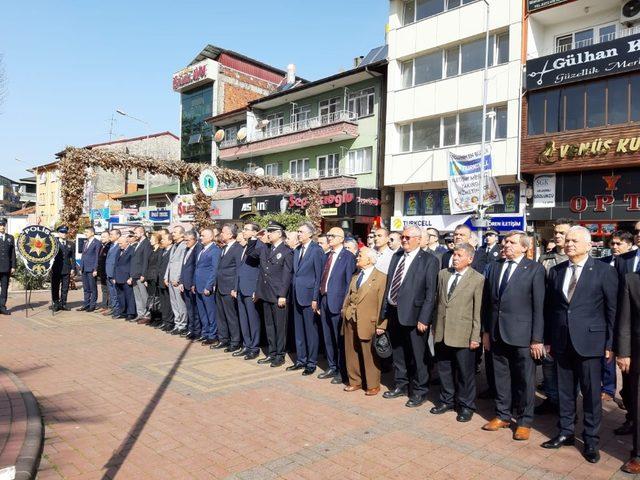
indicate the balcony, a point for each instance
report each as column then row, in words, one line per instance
column 562, row 47
column 304, row 132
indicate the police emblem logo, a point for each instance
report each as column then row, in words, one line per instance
column 279, row 256
column 495, row 254
column 37, row 247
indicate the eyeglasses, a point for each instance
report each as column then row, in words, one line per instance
column 408, row 237
column 637, row 231
column 370, row 236
column 616, row 243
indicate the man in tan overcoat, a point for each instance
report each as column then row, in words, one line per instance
column 457, row 333
column 361, row 314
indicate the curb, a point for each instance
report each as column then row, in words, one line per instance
column 29, row 457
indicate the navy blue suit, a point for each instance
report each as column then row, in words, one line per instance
column 246, row 282
column 331, row 301
column 110, row 269
column 227, row 309
column 88, row 265
column 205, row 279
column 307, row 274
column 579, row 331
column 121, row 275
column 187, row 281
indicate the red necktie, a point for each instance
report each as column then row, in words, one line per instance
column 325, row 274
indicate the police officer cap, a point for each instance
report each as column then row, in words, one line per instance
column 448, row 237
column 3, row 221
column 491, row 231
column 63, row 229
column 382, row 345
column 273, row 225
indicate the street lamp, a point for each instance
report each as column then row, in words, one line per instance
column 485, row 81
column 146, row 148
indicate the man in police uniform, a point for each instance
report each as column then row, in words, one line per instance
column 62, row 269
column 7, row 264
column 272, row 289
column 492, row 246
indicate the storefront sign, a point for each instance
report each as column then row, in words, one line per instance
column 221, row 210
column 244, row 207
column 160, row 215
column 445, row 223
column 544, row 190
column 329, row 212
column 348, row 202
column 464, row 183
column 594, row 195
column 502, row 223
column 193, row 75
column 184, row 208
column 606, row 58
column 533, row 5
column 436, row 202
column 208, row 182
column 552, row 153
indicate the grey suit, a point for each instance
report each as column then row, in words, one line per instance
column 174, row 269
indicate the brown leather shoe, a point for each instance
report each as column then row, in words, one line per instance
column 143, row 320
column 522, row 433
column 631, row 466
column 495, row 425
column 372, row 391
column 352, row 388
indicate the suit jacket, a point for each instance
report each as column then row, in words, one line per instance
column 274, row 274
column 187, row 274
column 518, row 315
column 7, row 253
column 307, row 274
column 459, row 318
column 228, row 269
column 64, row 261
column 338, row 282
column 438, row 252
column 248, row 269
column 89, row 258
column 162, row 267
column 123, row 265
column 417, row 294
column 362, row 305
column 493, row 254
column 102, row 260
column 624, row 263
column 110, row 262
column 154, row 265
column 140, row 260
column 478, row 264
column 627, row 333
column 176, row 257
column 206, row 272
column 588, row 320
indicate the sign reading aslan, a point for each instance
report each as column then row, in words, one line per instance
column 551, row 153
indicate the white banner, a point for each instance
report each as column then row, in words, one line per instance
column 544, row 190
column 441, row 222
column 464, row 183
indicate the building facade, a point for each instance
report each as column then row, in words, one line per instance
column 581, row 114
column 435, row 102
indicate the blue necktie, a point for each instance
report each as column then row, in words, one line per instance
column 505, row 278
column 359, row 281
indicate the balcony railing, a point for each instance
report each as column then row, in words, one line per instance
column 620, row 33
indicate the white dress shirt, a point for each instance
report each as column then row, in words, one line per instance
column 336, row 252
column 569, row 272
column 384, row 260
column 516, row 262
column 453, row 277
column 636, row 260
column 367, row 273
column 408, row 259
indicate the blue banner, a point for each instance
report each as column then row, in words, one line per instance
column 503, row 224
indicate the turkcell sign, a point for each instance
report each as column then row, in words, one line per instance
column 607, row 58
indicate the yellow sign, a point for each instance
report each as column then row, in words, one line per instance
column 598, row 146
column 397, row 225
column 328, row 212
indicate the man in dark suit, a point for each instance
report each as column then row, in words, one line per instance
column 627, row 350
column 580, row 312
column 408, row 306
column 272, row 289
column 308, row 262
column 462, row 234
column 245, row 290
column 205, row 276
column 7, row 264
column 89, row 270
column 187, row 286
column 227, row 308
column 492, row 245
column 105, row 245
column 123, row 281
column 514, row 332
column 337, row 271
column 63, row 267
column 139, row 263
column 110, row 268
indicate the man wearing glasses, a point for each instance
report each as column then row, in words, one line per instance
column 394, row 241
column 492, row 246
column 409, row 302
column 432, row 241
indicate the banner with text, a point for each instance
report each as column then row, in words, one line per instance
column 464, row 183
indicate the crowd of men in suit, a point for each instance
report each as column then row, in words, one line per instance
column 438, row 307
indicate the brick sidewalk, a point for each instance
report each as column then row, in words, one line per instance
column 125, row 401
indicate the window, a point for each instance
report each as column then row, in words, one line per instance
column 272, row 169
column 327, row 110
column 470, row 127
column 361, row 103
column 573, row 99
column 328, row 165
column 502, row 47
column 449, row 126
column 230, row 133
column 407, row 74
column 635, row 98
column 426, row 134
column 275, row 125
column 606, row 33
column 409, row 12
column 585, row 38
column 299, row 169
column 564, row 43
column 472, row 55
column 195, row 138
column 250, row 168
column 452, row 57
column 617, row 100
column 596, row 103
column 405, row 138
column 500, row 131
column 414, row 10
column 359, row 161
column 428, row 8
column 300, row 116
column 428, row 68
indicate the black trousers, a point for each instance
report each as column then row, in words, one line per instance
column 572, row 367
column 228, row 321
column 275, row 320
column 59, row 288
column 165, row 307
column 633, row 395
column 514, row 374
column 457, row 370
column 409, row 348
column 626, row 392
column 4, row 288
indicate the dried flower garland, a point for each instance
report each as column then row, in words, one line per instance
column 76, row 161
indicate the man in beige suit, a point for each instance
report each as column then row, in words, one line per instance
column 457, row 333
column 361, row 314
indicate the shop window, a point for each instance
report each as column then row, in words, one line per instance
column 573, row 116
column 617, row 99
column 635, row 97
column 596, row 103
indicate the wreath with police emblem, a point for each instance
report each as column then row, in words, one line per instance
column 37, row 247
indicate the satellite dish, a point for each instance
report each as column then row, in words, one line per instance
column 263, row 123
column 219, row 136
column 242, row 134
column 259, row 172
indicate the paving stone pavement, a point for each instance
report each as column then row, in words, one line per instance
column 125, row 401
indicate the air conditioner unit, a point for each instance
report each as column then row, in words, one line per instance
column 630, row 12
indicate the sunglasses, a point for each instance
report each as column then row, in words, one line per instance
column 408, row 237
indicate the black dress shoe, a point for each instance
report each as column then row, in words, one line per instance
column 90, row 309
column 337, row 379
column 232, row 348
column 591, row 454
column 464, row 415
column 191, row 336
column 65, row 308
column 440, row 409
column 625, row 429
column 278, row 362
column 132, row 318
column 4, row 311
column 210, row 341
column 265, row 360
column 81, row 309
column 395, row 393
column 251, row 356
column 309, row 371
column 185, row 333
column 328, row 374
column 178, row 331
column 240, row 353
column 295, row 366
column 559, row 441
column 201, row 338
column 122, row 317
column 415, row 401
column 221, row 345
column 167, row 328
column 545, row 408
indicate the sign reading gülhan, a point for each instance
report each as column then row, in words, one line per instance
column 607, row 58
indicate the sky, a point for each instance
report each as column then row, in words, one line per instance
column 70, row 64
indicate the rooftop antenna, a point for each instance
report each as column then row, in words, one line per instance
column 112, row 122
